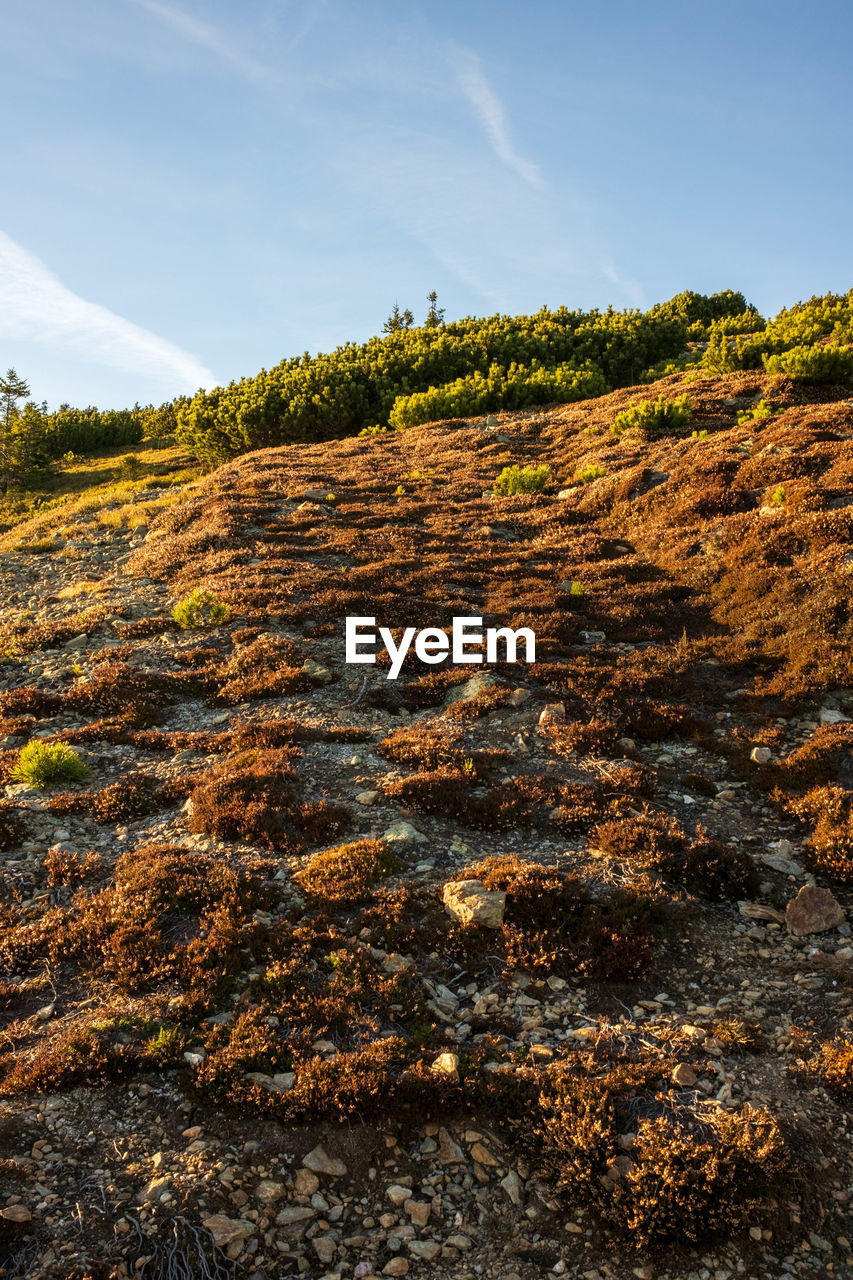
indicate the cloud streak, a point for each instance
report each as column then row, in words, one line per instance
column 489, row 110
column 210, row 38
column 36, row 305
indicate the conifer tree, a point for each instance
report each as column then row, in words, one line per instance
column 12, row 389
column 435, row 315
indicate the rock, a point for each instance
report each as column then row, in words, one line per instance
column 226, row 1231
column 512, row 1185
column 760, row 911
column 683, row 1076
column 448, row 1151
column 326, row 496
column 447, row 1065
column 553, row 711
column 472, row 903
column 305, row 1183
column 829, row 715
column 76, row 642
column 16, row 1213
column 293, row 1213
column 786, row 866
column 314, row 671
column 325, row 1248
column 319, row 1161
column 396, row 1267
column 466, row 692
column 154, row 1192
column 424, row 1249
column 366, row 797
column 460, row 1242
column 45, row 1013
column 418, row 1211
column 483, row 1155
column 814, row 910
column 402, row 834
column 267, row 1191
column 397, row 1194
column 761, row 755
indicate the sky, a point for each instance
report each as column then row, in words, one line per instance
column 197, row 189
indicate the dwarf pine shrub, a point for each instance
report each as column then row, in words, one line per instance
column 515, row 479
column 813, row 364
column 594, row 471
column 653, row 417
column 41, row 763
column 200, row 609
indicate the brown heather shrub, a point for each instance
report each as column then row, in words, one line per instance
column 130, row 798
column 117, row 689
column 345, row 874
column 168, row 913
column 554, row 925
column 255, row 797
column 832, row 1065
column 268, row 667
column 684, row 1178
column 597, row 737
column 653, row 841
column 826, row 757
column 830, row 850
column 11, row 825
column 446, row 792
column 480, row 705
column 429, row 747
column 30, row 701
column 64, row 867
column 737, row 1036
column 79, row 1055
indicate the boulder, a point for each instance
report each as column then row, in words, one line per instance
column 814, row 910
column 472, row 903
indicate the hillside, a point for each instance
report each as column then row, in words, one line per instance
column 241, row 986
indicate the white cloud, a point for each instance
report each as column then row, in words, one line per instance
column 35, row 305
column 489, row 109
column 209, row 37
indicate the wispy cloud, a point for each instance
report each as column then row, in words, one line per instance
column 36, row 305
column 210, row 38
column 468, row 69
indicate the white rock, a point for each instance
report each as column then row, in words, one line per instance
column 472, row 903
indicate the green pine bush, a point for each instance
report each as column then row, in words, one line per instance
column 41, row 763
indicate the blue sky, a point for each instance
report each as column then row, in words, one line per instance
column 195, row 189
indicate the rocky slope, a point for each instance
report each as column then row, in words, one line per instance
column 253, row 1024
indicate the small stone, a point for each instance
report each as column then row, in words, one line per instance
column 472, row 903
column 319, row 1161
column 403, row 833
column 460, row 1242
column 325, row 1248
column 226, row 1231
column 397, row 1194
column 267, row 1191
column 366, row 797
column 512, row 1185
column 483, row 1155
column 396, row 1267
column 761, row 755
column 16, row 1213
column 418, row 1211
column 814, row 910
column 305, row 1183
column 292, row 1213
column 447, row 1065
column 424, row 1249
column 683, row 1076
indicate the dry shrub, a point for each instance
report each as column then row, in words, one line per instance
column 682, row 1178
column 429, row 747
column 653, row 841
column 256, row 797
column 446, row 792
column 830, row 850
column 168, row 913
column 832, row 1065
column 480, row 705
column 826, row 757
column 136, row 796
column 268, row 667
column 553, row 924
column 597, row 737
column 11, row 826
column 64, row 867
column 344, row 874
column 30, row 701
